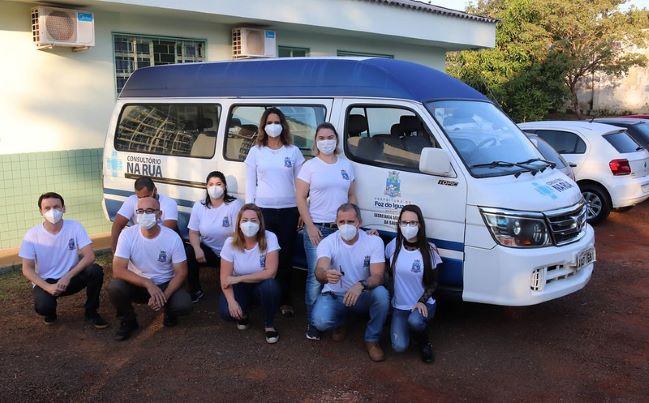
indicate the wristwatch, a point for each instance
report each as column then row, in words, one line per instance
column 364, row 284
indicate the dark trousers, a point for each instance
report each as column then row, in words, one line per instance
column 91, row 278
column 265, row 293
column 193, row 267
column 123, row 294
column 283, row 223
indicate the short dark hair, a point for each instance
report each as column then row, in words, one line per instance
column 50, row 195
column 144, row 182
column 347, row 207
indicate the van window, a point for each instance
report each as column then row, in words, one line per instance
column 184, row 130
column 386, row 135
column 562, row 141
column 243, row 121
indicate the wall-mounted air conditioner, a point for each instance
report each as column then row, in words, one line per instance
column 62, row 27
column 253, row 42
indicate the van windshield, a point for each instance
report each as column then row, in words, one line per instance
column 487, row 141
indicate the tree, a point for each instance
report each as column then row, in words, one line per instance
column 546, row 48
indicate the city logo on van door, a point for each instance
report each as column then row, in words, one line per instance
column 393, row 184
column 145, row 166
column 114, row 164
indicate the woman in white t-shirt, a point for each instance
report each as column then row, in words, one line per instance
column 412, row 267
column 210, row 224
column 324, row 183
column 249, row 261
column 271, row 168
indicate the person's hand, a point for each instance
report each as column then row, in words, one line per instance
column 63, row 284
column 372, row 231
column 52, row 289
column 231, row 280
column 421, row 307
column 333, row 276
column 351, row 296
column 158, row 299
column 314, row 234
column 300, row 223
column 200, row 255
column 235, row 310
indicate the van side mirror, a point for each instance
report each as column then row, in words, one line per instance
column 435, row 161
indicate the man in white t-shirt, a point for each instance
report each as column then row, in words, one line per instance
column 50, row 254
column 351, row 265
column 149, row 266
column 144, row 187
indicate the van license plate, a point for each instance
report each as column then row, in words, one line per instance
column 585, row 257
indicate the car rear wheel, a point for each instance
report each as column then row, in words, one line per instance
column 598, row 207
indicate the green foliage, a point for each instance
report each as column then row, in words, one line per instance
column 546, row 48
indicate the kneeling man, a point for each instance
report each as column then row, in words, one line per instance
column 149, row 267
column 351, row 264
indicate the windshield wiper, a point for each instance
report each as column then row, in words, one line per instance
column 505, row 164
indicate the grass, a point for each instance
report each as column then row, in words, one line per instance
column 10, row 283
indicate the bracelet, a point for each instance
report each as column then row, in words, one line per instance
column 364, row 284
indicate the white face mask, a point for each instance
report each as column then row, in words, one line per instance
column 215, row 191
column 146, row 221
column 347, row 231
column 326, row 146
column 273, row 129
column 410, row 233
column 249, row 228
column 53, row 215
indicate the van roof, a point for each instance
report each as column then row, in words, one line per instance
column 299, row 77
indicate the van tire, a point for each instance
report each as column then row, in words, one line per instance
column 598, row 205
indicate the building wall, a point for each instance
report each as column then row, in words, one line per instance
column 56, row 105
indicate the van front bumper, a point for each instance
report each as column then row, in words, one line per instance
column 517, row 277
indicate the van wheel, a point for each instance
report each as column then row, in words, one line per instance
column 598, row 207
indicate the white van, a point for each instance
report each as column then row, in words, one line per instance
column 510, row 228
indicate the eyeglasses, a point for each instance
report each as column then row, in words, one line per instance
column 147, row 211
column 409, row 223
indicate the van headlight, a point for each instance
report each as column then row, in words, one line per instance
column 517, row 229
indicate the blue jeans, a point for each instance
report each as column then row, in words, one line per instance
column 312, row 287
column 404, row 322
column 329, row 312
column 266, row 293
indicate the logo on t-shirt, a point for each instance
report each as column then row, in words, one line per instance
column 288, row 163
column 71, row 245
column 162, row 257
column 344, row 174
column 226, row 221
column 262, row 261
column 416, row 266
column 366, row 263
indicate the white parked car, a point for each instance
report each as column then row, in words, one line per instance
column 612, row 170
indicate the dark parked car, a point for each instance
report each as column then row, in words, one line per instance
column 637, row 128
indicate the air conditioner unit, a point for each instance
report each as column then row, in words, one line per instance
column 253, row 42
column 62, row 27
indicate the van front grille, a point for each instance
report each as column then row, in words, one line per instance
column 568, row 225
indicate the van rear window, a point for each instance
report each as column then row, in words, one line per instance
column 622, row 142
column 183, row 130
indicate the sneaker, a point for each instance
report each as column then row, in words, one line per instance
column 272, row 336
column 287, row 311
column 97, row 321
column 196, row 296
column 375, row 351
column 426, row 353
column 243, row 324
column 169, row 320
column 312, row 333
column 125, row 329
column 339, row 333
column 49, row 319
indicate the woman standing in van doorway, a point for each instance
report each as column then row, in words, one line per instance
column 412, row 267
column 248, row 267
column 324, row 183
column 210, row 224
column 272, row 166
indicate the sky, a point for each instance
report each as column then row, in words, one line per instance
column 461, row 4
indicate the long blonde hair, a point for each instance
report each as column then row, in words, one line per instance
column 239, row 240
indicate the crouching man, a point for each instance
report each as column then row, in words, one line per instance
column 50, row 260
column 149, row 266
column 350, row 265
